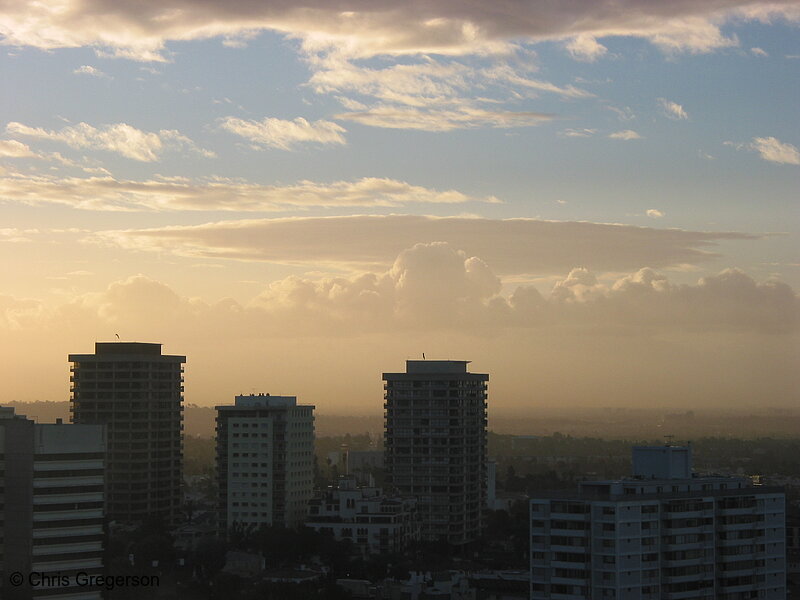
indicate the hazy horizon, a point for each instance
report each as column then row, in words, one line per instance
column 594, row 202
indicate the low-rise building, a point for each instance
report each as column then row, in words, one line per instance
column 373, row 521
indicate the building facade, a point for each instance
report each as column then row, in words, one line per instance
column 265, row 461
column 137, row 393
column 435, row 445
column 663, row 534
column 51, row 515
column 375, row 522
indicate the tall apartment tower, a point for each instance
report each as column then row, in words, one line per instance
column 51, row 514
column 436, row 445
column 265, row 461
column 137, row 392
column 662, row 534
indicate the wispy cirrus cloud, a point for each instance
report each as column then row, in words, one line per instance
column 119, row 138
column 177, row 193
column 770, row 149
column 283, row 134
column 625, row 134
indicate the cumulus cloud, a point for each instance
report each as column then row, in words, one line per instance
column 89, row 70
column 119, row 138
column 586, row 48
column 285, row 135
column 15, row 149
column 625, row 134
column 177, row 193
column 773, row 150
column 672, row 110
column 511, row 246
column 436, row 286
column 724, row 339
column 654, row 213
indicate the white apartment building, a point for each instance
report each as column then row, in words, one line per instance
column 265, row 461
column 664, row 534
column 373, row 521
column 51, row 514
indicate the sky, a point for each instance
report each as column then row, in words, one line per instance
column 595, row 201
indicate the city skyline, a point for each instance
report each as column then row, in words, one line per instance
column 595, row 202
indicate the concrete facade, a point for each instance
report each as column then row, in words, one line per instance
column 660, row 538
column 137, row 393
column 265, row 461
column 52, row 508
column 435, row 445
column 375, row 522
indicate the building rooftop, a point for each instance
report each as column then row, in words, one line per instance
column 128, row 349
column 437, row 366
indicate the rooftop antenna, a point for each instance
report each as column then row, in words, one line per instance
column 116, row 334
column 669, row 440
column 423, row 356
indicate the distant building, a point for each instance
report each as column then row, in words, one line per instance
column 373, row 521
column 435, row 445
column 137, row 393
column 51, row 516
column 265, row 461
column 663, row 534
column 363, row 464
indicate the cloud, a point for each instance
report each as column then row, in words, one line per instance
column 139, row 30
column 625, row 134
column 511, row 246
column 586, row 48
column 577, row 133
column 673, row 110
column 623, row 114
column 435, row 287
column 108, row 193
column 444, row 120
column 119, row 138
column 759, row 51
column 278, row 133
column 773, row 150
column 722, row 340
column 89, row 70
column 15, row 149
column 654, row 213
column 435, row 95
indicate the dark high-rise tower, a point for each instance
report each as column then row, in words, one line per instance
column 436, row 445
column 137, row 392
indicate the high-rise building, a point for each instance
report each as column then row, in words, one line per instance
column 436, row 445
column 265, row 461
column 664, row 533
column 51, row 516
column 137, row 392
